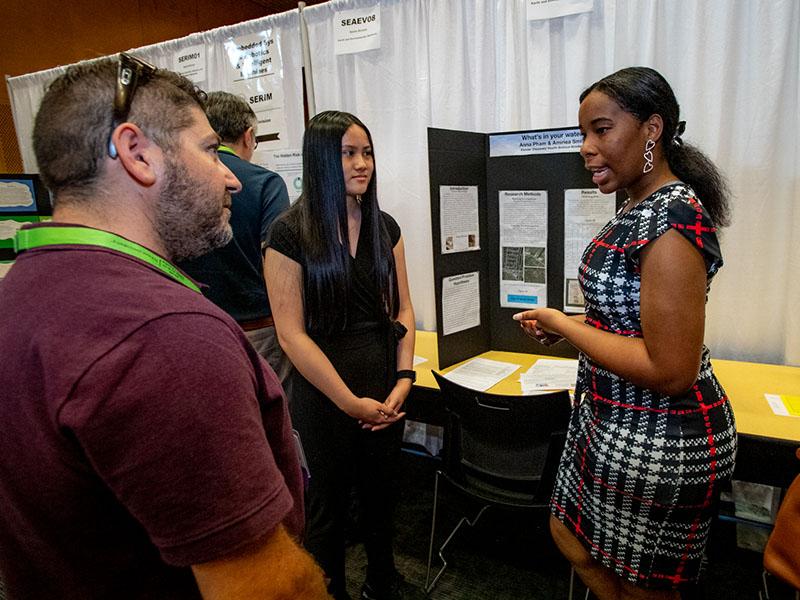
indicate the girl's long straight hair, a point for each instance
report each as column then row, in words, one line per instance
column 320, row 215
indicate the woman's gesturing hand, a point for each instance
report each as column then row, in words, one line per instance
column 538, row 324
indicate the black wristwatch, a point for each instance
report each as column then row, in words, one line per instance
column 407, row 374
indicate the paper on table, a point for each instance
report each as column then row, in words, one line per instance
column 784, row 405
column 418, row 360
column 550, row 374
column 481, row 373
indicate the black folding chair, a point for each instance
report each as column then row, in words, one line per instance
column 500, row 450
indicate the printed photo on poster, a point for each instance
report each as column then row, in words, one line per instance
column 573, row 295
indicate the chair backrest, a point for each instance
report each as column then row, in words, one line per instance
column 511, row 442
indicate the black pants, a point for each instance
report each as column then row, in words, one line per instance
column 342, row 455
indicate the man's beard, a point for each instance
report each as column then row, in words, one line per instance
column 189, row 219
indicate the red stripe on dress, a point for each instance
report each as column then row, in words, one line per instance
column 585, row 265
column 627, row 332
column 581, row 476
column 711, row 479
column 697, row 228
column 621, row 248
column 671, row 411
column 646, row 501
column 614, row 559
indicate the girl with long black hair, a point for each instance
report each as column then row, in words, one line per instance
column 336, row 274
column 652, row 435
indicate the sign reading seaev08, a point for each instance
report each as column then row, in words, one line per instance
column 358, row 30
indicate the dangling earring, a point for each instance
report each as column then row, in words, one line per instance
column 648, row 156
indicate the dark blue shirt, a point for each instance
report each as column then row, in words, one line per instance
column 234, row 274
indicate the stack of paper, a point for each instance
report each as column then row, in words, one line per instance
column 784, row 405
column 481, row 373
column 549, row 374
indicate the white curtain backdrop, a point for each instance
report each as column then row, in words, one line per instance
column 26, row 91
column 478, row 65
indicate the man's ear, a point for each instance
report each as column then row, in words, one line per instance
column 136, row 152
column 248, row 137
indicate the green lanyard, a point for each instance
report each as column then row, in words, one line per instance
column 27, row 239
column 226, row 149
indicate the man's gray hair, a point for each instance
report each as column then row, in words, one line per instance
column 230, row 115
column 75, row 119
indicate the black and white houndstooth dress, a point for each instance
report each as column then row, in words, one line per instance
column 639, row 474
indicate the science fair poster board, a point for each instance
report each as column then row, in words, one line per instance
column 23, row 199
column 536, row 208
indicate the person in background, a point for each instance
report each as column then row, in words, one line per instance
column 234, row 273
column 145, row 448
column 336, row 275
column 652, row 435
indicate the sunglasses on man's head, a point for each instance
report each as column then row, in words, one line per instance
column 129, row 71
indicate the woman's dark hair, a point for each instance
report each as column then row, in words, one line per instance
column 321, row 217
column 643, row 92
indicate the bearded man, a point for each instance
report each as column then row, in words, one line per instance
column 145, row 447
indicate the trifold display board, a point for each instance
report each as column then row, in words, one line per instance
column 511, row 214
column 23, row 199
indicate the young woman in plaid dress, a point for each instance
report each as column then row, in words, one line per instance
column 652, row 434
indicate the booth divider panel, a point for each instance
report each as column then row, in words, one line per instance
column 459, row 158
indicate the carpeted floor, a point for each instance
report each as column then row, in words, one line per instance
column 509, row 558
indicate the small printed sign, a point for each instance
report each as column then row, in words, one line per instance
column 191, row 63
column 551, row 9
column 553, row 141
column 358, row 30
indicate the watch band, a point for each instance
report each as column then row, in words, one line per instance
column 407, row 374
